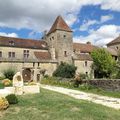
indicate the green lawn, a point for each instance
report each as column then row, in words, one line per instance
column 49, row 105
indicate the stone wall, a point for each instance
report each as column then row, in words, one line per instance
column 111, row 85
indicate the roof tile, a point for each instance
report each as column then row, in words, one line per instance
column 59, row 24
column 42, row 55
column 22, row 43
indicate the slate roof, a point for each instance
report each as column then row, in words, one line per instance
column 115, row 41
column 59, row 24
column 22, row 43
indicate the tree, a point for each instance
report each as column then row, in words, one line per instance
column 103, row 63
column 65, row 70
column 118, row 66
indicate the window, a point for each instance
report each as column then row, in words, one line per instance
column 38, row 64
column 64, row 36
column 53, row 38
column 117, row 47
column 65, row 53
column 85, row 63
column 11, row 54
column 0, row 54
column 26, row 53
column 11, row 42
column 33, row 64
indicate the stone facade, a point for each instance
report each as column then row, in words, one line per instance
column 83, row 67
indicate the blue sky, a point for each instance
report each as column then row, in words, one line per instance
column 97, row 21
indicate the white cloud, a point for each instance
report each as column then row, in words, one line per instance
column 71, row 19
column 8, row 34
column 111, row 5
column 40, row 14
column 101, row 36
column 106, row 18
column 86, row 24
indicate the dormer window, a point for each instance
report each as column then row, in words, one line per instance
column 11, row 42
column 53, row 38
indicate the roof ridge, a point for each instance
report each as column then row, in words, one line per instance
column 20, row 38
column 116, row 40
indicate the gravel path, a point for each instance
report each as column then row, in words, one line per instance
column 103, row 100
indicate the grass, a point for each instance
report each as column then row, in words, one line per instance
column 1, row 86
column 50, row 105
column 86, row 88
column 100, row 91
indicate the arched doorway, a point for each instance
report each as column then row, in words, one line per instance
column 26, row 73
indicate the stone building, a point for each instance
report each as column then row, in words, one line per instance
column 32, row 56
column 115, row 44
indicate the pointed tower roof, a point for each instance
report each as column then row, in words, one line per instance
column 59, row 24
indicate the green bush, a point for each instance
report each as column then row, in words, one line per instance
column 56, row 82
column 9, row 73
column 65, row 70
column 1, row 85
column 2, row 77
column 3, row 103
column 12, row 99
column 86, row 86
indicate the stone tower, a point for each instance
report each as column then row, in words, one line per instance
column 60, row 40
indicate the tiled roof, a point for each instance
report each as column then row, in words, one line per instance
column 84, row 48
column 22, row 43
column 83, row 57
column 115, row 41
column 112, row 51
column 59, row 24
column 42, row 55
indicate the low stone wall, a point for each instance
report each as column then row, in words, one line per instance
column 111, row 85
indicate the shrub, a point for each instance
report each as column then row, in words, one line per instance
column 7, row 82
column 83, row 76
column 57, row 82
column 9, row 73
column 1, row 77
column 65, row 70
column 4, row 104
column 32, row 83
column 86, row 86
column 12, row 99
